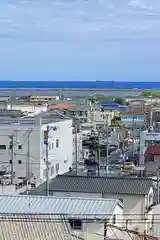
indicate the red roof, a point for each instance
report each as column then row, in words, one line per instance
column 153, row 149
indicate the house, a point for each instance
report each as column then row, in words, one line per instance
column 41, row 97
column 87, row 218
column 149, row 146
column 24, row 150
column 28, row 107
column 135, row 193
column 34, row 227
column 133, row 119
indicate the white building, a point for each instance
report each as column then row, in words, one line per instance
column 87, row 217
column 146, row 139
column 28, row 155
column 30, row 108
column 135, row 193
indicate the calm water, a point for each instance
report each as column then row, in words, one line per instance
column 79, row 84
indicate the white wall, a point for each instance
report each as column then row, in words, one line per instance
column 33, row 135
column 95, row 229
column 30, row 108
column 156, row 223
column 62, row 155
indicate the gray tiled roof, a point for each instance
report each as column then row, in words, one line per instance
column 34, row 227
column 117, row 185
column 71, row 207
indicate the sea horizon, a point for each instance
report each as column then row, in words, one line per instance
column 17, row 84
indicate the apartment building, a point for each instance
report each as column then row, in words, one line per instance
column 23, row 146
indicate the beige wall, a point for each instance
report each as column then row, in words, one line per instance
column 134, row 207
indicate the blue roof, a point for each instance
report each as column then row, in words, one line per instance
column 105, row 104
column 123, row 107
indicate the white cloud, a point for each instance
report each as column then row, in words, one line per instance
column 100, row 34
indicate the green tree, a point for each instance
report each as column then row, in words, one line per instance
column 119, row 100
column 150, row 93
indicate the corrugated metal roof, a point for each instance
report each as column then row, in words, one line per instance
column 34, row 227
column 88, row 208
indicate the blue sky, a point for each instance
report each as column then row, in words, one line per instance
column 80, row 40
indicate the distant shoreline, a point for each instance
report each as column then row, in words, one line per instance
column 80, row 85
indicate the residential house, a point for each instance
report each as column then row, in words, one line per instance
column 87, row 218
column 149, row 146
column 27, row 107
column 135, row 193
column 133, row 119
column 38, row 98
column 110, row 110
column 34, row 226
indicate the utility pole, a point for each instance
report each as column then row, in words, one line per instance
column 28, row 160
column 106, row 131
column 98, row 155
column 47, row 162
column 158, row 187
column 151, row 117
column 133, row 126
column 12, row 157
column 76, row 146
column 105, row 229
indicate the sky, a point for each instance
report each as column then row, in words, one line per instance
column 80, row 40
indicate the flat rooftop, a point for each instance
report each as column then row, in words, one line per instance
column 42, row 118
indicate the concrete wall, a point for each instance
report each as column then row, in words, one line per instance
column 25, row 137
column 31, row 138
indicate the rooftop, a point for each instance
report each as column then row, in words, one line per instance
column 42, row 118
column 133, row 113
column 70, row 207
column 153, row 150
column 34, row 227
column 114, row 185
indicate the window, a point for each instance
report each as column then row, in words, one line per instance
column 114, row 219
column 57, row 143
column 19, row 147
column 2, row 147
column 19, row 161
column 57, row 167
column 75, row 224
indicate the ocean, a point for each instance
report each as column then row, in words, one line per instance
column 79, row 84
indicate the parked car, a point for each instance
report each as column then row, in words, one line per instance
column 128, row 166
